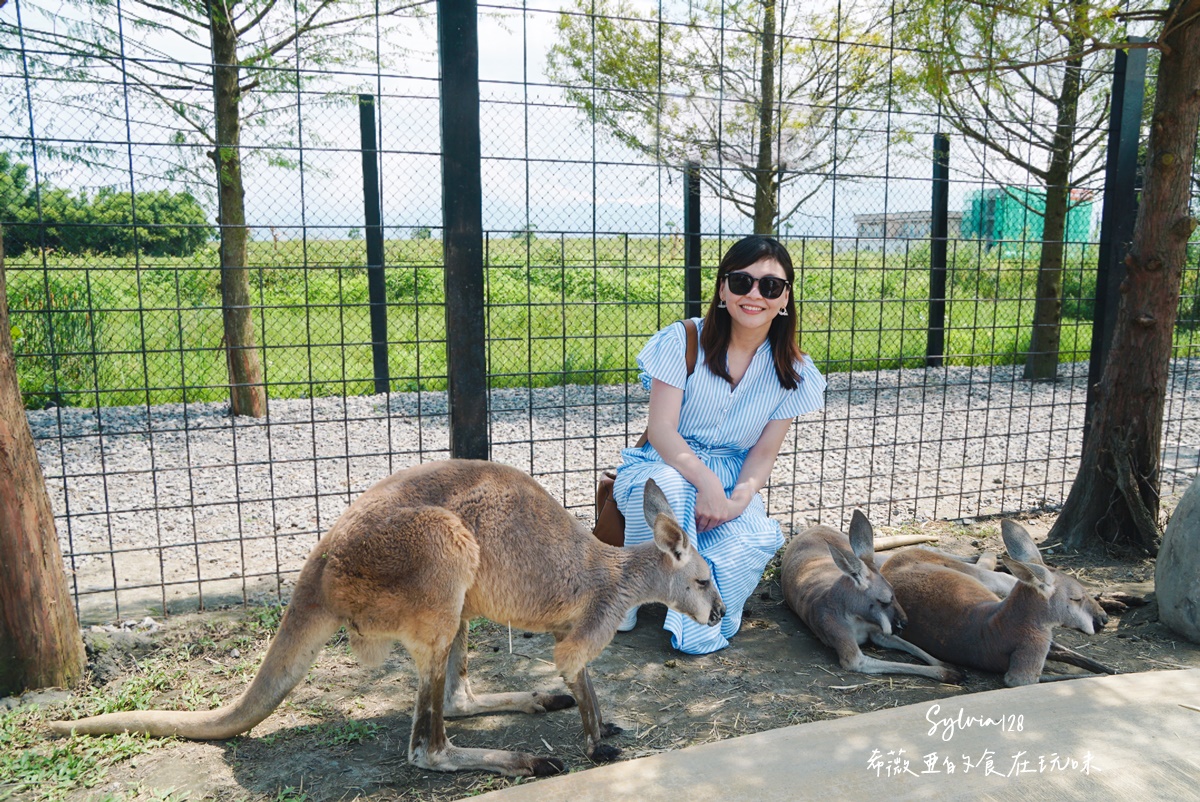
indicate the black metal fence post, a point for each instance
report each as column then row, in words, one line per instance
column 935, row 341
column 462, row 222
column 1119, row 212
column 693, row 291
column 373, row 219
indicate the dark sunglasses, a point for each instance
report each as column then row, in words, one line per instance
column 771, row 287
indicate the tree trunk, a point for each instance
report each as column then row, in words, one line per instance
column 1115, row 498
column 765, row 200
column 246, row 393
column 1042, row 360
column 40, row 643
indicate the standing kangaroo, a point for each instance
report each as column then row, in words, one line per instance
column 420, row 554
column 955, row 617
column 831, row 582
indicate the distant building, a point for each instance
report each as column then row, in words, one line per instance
column 1013, row 216
column 897, row 230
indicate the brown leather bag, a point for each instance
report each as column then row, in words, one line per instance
column 610, row 523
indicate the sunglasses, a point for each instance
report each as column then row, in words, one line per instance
column 771, row 287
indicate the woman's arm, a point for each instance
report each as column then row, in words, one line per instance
column 756, row 470
column 662, row 430
column 713, row 507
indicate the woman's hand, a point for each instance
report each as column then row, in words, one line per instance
column 713, row 507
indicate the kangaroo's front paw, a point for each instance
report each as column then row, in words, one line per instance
column 605, row 753
column 608, row 730
column 545, row 766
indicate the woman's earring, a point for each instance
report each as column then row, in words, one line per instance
column 783, row 312
column 722, row 304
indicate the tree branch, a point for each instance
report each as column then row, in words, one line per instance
column 1099, row 47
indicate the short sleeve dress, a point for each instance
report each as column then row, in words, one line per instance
column 721, row 424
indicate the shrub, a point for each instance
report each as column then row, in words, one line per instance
column 58, row 324
column 167, row 223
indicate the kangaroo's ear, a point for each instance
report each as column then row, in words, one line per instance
column 851, row 566
column 1038, row 577
column 862, row 536
column 1018, row 542
column 669, row 536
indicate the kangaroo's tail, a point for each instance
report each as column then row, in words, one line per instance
column 306, row 626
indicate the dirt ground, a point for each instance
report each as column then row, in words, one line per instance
column 343, row 733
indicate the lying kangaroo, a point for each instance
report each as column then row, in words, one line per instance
column 955, row 617
column 419, row 555
column 831, row 582
column 981, row 568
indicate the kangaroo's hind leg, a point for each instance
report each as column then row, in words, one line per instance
column 430, row 748
column 460, row 700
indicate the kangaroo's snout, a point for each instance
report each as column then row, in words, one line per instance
column 716, row 614
column 1100, row 618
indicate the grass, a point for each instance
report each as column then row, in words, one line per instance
column 561, row 310
column 37, row 769
column 178, row 673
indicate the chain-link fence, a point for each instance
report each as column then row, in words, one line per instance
column 621, row 152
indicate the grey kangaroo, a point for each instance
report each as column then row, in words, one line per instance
column 419, row 555
column 831, row 582
column 956, row 618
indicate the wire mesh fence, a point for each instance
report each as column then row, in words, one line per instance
column 117, row 228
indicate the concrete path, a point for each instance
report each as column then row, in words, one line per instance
column 1128, row 737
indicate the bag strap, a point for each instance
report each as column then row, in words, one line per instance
column 693, row 347
column 690, row 353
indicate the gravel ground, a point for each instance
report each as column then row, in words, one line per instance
column 177, row 506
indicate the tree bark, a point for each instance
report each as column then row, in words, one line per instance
column 246, row 393
column 1115, row 498
column 765, row 200
column 1041, row 362
column 40, row 644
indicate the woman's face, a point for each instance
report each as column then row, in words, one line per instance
column 751, row 309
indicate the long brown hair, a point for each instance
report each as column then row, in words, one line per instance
column 718, row 325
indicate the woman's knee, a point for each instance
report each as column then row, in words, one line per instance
column 679, row 492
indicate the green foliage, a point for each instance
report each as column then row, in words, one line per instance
column 58, row 319
column 265, row 619
column 134, row 693
column 525, row 233
column 14, row 195
column 167, row 223
column 154, row 223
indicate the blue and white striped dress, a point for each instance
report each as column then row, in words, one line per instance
column 721, row 425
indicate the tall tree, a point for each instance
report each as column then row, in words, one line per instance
column 1026, row 89
column 215, row 66
column 1115, row 497
column 760, row 94
column 40, row 644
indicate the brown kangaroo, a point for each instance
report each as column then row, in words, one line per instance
column 419, row 555
column 831, row 582
column 982, row 568
column 956, row 618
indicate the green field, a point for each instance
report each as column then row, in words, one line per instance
column 560, row 310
